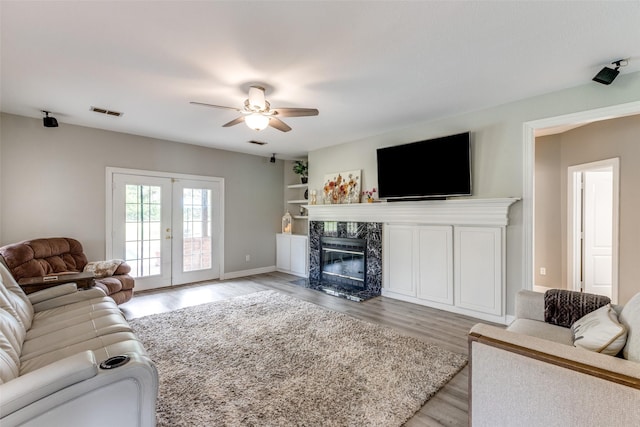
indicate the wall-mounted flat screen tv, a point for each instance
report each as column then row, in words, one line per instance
column 434, row 168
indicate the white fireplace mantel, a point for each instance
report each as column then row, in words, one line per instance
column 477, row 212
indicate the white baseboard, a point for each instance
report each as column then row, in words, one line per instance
column 244, row 273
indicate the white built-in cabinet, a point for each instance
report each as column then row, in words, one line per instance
column 292, row 254
column 447, row 254
column 457, row 268
column 478, row 269
column 419, row 262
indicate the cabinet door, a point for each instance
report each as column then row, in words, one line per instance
column 478, row 269
column 299, row 255
column 283, row 252
column 399, row 274
column 435, row 263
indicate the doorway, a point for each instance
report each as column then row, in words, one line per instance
column 167, row 227
column 592, row 227
column 529, row 136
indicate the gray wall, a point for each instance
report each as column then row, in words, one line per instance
column 590, row 143
column 53, row 184
column 497, row 152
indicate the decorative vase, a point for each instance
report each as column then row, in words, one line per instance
column 306, row 194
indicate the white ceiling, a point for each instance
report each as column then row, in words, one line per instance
column 369, row 67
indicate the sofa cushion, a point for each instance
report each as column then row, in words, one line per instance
column 103, row 348
column 563, row 307
column 630, row 317
column 71, row 334
column 600, row 331
column 547, row 331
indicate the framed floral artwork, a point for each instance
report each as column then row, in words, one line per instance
column 341, row 187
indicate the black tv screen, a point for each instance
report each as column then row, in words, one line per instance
column 434, row 168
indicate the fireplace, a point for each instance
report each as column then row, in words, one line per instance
column 342, row 261
column 345, row 259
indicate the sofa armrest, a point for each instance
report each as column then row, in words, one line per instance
column 122, row 396
column 600, row 365
column 513, row 376
column 49, row 293
column 530, row 305
column 33, row 386
column 67, row 299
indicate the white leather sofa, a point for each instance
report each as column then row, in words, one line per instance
column 531, row 374
column 69, row 358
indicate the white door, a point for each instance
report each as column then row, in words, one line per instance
column 299, row 255
column 435, row 263
column 592, row 226
column 598, row 231
column 478, row 271
column 398, row 269
column 168, row 229
column 196, row 225
column 141, row 224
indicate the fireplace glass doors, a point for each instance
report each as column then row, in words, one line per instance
column 343, row 261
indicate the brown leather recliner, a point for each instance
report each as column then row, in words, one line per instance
column 42, row 257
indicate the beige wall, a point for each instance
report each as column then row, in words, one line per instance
column 53, row 184
column 497, row 151
column 547, row 214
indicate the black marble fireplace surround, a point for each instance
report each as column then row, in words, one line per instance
column 371, row 233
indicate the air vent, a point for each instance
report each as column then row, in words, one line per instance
column 257, row 142
column 107, row 112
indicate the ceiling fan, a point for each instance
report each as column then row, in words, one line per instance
column 258, row 114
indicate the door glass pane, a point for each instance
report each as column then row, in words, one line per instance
column 143, row 235
column 196, row 226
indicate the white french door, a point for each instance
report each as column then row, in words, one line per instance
column 195, row 221
column 167, row 227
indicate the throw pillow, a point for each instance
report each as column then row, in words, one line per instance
column 630, row 318
column 563, row 307
column 600, row 331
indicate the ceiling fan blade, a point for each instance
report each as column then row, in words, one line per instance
column 214, row 106
column 279, row 124
column 295, row 112
column 234, row 122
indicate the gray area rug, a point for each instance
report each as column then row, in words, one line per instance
column 266, row 359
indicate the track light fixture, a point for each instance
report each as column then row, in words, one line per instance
column 273, row 158
column 608, row 75
column 49, row 122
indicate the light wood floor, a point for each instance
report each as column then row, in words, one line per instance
column 449, row 407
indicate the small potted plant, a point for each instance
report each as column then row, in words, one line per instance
column 301, row 167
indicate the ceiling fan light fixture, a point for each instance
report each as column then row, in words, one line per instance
column 256, row 121
column 257, row 101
